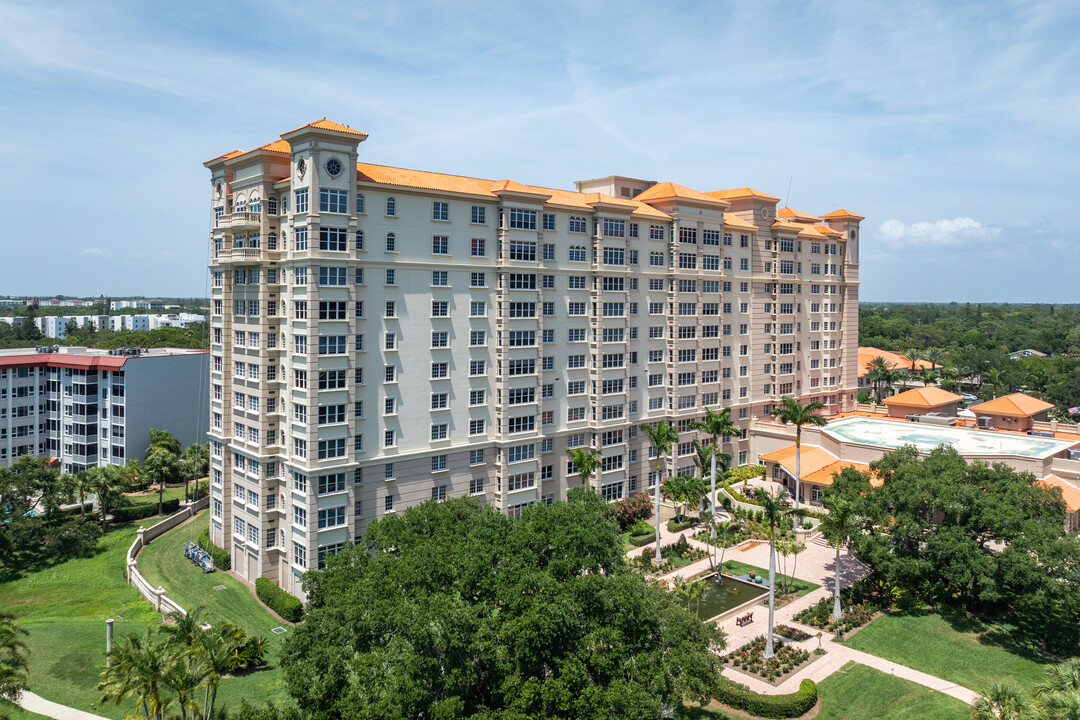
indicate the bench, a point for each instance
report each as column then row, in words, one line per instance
column 744, row 619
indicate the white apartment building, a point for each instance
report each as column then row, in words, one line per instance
column 383, row 336
column 88, row 408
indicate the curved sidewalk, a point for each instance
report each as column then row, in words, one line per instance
column 37, row 704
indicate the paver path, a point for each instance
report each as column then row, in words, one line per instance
column 815, row 564
column 41, row 706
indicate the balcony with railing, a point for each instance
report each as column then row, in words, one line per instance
column 241, row 220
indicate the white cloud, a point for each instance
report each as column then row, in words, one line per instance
column 961, row 232
column 95, row 251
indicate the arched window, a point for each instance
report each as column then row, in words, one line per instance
column 359, row 239
column 391, row 242
column 254, row 203
column 285, row 203
column 359, row 203
column 271, row 240
column 578, row 254
column 391, row 206
column 241, row 204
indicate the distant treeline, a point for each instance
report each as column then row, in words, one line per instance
column 977, row 340
column 28, row 335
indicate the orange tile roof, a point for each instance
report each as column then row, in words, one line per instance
column 1015, row 405
column 927, row 397
column 742, row 192
column 278, row 146
column 818, row 466
column 842, row 214
column 226, row 156
column 281, row 181
column 867, row 355
column 784, row 225
column 668, row 190
column 325, row 124
column 1069, row 492
column 426, row 180
column 733, row 220
column 787, row 212
column 826, row 231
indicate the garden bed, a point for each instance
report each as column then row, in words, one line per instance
column 853, row 617
column 791, row 633
column 788, row 659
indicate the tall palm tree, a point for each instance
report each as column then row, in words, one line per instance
column 585, row 460
column 995, row 378
column 216, row 652
column 183, row 674
column 903, row 377
column 14, row 667
column 773, row 514
column 935, row 357
column 662, row 436
column 707, row 457
column 82, row 483
column 194, row 464
column 183, row 629
column 792, row 411
column 108, row 483
column 716, row 425
column 1038, row 379
column 136, row 670
column 838, row 527
column 913, row 356
column 161, row 466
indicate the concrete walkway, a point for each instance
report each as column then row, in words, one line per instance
column 815, row 564
column 41, row 706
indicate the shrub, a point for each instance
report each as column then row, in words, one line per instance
column 640, row 540
column 131, row 513
column 633, row 508
column 675, row 527
column 222, row 559
column 287, row 606
column 770, row 706
column 640, row 527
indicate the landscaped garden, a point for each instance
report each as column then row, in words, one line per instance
column 958, row 648
column 791, row 633
column 675, row 555
column 858, row 691
column 852, row 616
column 750, row 659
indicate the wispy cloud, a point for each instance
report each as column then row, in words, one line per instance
column 961, row 233
column 93, row 252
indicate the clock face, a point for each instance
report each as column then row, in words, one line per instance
column 333, row 167
column 301, row 166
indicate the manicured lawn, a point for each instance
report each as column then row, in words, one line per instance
column 963, row 650
column 64, row 608
column 17, row 713
column 151, row 496
column 800, row 587
column 858, row 691
column 163, row 564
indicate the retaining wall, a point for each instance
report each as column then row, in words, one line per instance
column 156, row 596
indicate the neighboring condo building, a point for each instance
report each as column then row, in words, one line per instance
column 383, row 336
column 89, row 408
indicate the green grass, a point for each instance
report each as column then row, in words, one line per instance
column 858, row 691
column 800, row 587
column 64, row 607
column 961, row 649
column 151, row 496
column 163, row 564
column 14, row 712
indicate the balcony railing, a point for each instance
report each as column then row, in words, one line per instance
column 232, row 255
column 241, row 220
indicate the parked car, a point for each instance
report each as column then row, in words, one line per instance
column 969, row 397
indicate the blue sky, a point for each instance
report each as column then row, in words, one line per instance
column 951, row 126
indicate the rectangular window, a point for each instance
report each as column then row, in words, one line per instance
column 440, row 210
column 332, row 201
column 479, row 215
column 301, row 201
column 522, row 220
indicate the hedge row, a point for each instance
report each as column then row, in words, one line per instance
column 222, row 559
column 642, row 540
column 675, row 527
column 771, row 706
column 131, row 513
column 281, row 602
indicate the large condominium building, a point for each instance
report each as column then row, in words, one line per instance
column 89, row 408
column 383, row 336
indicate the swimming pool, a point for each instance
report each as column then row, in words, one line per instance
column 894, row 434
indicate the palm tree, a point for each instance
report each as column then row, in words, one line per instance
column 913, row 356
column 878, row 371
column 995, row 378
column 838, row 527
column 718, row 529
column 935, row 357
column 162, row 461
column 902, row 377
column 136, row 669
column 194, row 464
column 707, row 457
column 585, row 462
column 14, row 667
column 216, row 652
column 108, row 482
column 791, row 411
column 662, row 436
column 183, row 629
column 773, row 513
column 1038, row 379
column 1000, row 701
column 716, row 424
column 183, row 675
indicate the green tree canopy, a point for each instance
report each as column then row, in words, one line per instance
column 454, row 610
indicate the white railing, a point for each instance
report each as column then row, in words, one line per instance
column 156, row 596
